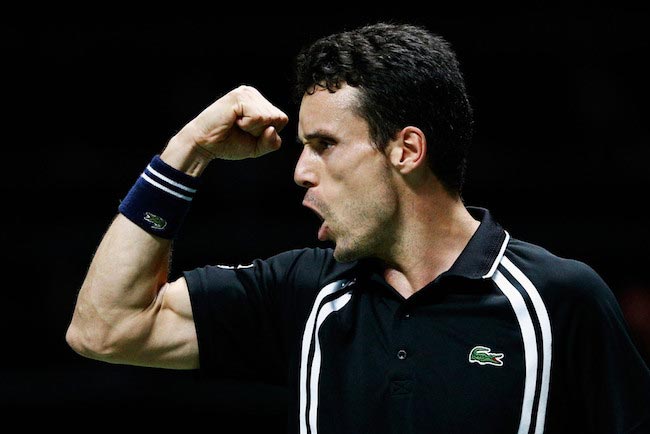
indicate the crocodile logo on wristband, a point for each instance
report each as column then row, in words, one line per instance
column 156, row 221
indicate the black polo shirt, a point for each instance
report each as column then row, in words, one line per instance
column 511, row 339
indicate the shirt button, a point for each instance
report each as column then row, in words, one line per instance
column 401, row 354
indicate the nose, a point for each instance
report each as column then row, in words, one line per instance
column 304, row 174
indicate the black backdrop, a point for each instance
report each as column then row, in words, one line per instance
column 560, row 157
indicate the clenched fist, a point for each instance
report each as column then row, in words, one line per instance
column 241, row 124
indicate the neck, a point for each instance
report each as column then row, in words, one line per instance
column 433, row 231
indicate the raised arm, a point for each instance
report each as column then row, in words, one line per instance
column 126, row 311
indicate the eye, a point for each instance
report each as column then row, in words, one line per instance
column 322, row 145
column 319, row 145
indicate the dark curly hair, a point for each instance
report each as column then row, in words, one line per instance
column 406, row 76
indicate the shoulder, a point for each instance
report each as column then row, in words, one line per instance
column 306, row 256
column 556, row 277
column 315, row 266
column 309, row 267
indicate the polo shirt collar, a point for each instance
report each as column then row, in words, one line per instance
column 484, row 251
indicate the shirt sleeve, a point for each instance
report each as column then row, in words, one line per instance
column 245, row 315
column 611, row 381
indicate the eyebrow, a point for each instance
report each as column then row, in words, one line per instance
column 319, row 135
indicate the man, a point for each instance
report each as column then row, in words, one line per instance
column 426, row 316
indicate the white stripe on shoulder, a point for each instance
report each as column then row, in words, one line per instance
column 328, row 308
column 496, row 262
column 545, row 325
column 305, row 376
column 530, row 347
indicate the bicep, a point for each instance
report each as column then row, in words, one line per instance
column 170, row 340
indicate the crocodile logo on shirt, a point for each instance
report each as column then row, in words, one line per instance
column 484, row 356
column 156, row 221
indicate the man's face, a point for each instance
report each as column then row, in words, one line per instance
column 348, row 180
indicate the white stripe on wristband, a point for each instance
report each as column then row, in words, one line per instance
column 169, row 181
column 168, row 190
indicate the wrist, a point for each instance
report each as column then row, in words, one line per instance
column 160, row 199
column 184, row 154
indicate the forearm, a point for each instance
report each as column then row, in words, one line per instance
column 124, row 278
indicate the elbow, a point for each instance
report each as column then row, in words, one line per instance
column 93, row 345
column 74, row 339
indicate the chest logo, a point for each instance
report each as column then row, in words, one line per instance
column 485, row 356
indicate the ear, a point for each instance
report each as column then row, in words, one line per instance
column 409, row 150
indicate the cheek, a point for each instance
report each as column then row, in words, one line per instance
column 359, row 186
column 369, row 203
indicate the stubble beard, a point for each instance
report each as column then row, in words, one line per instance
column 373, row 237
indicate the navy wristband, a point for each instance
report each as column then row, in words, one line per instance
column 160, row 199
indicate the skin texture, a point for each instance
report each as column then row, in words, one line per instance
column 348, row 180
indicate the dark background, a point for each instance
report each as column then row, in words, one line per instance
column 560, row 157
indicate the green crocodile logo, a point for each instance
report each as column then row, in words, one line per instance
column 485, row 356
column 156, row 221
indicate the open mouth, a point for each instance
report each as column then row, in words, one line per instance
column 314, row 210
column 323, row 229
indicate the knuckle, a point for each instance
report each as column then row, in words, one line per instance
column 247, row 90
